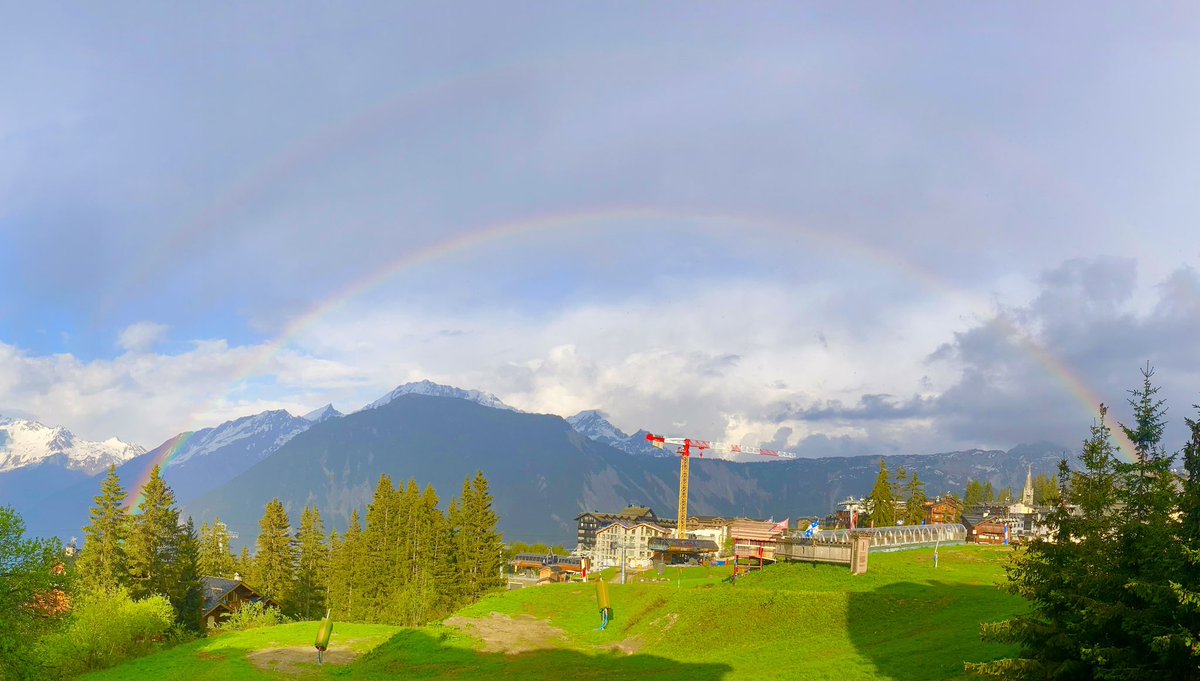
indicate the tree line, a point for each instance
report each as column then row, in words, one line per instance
column 898, row 499
column 1114, row 590
column 407, row 563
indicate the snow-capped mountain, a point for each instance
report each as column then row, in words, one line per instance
column 28, row 443
column 323, row 414
column 438, row 390
column 255, row 436
column 594, row 425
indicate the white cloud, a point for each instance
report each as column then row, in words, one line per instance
column 141, row 336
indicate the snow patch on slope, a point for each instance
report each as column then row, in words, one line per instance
column 438, row 390
column 28, row 443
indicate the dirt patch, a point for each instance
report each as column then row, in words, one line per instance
column 510, row 635
column 629, row 646
column 665, row 622
column 289, row 660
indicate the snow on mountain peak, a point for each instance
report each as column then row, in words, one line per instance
column 28, row 443
column 322, row 414
column 594, row 424
column 438, row 390
column 262, row 433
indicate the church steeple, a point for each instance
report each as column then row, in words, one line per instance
column 1027, row 493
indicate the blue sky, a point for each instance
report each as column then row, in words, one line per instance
column 807, row 218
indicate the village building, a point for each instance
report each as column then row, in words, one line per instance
column 989, row 532
column 754, row 541
column 627, row 540
column 943, row 510
column 223, row 596
column 590, row 523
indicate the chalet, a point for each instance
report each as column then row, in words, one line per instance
column 943, row 510
column 223, row 596
column 989, row 531
column 590, row 523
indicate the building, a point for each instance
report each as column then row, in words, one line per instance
column 590, row 523
column 989, row 532
column 851, row 513
column 754, row 541
column 625, row 539
column 223, row 596
column 943, row 510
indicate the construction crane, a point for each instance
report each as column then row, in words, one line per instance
column 689, row 448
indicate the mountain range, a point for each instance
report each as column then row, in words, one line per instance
column 543, row 469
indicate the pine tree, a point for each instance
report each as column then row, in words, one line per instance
column 311, row 566
column 102, row 565
column 150, row 549
column 1075, row 628
column 344, row 593
column 882, row 502
column 275, row 558
column 243, row 567
column 974, row 494
column 1148, row 549
column 1182, row 645
column 380, row 537
column 216, row 554
column 479, row 547
column 914, row 507
column 1006, row 495
column 187, row 594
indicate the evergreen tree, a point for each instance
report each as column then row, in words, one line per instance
column 1070, row 578
column 914, row 507
column 344, row 594
column 102, row 564
column 479, row 547
column 974, row 494
column 1148, row 547
column 881, row 502
column 380, row 539
column 187, row 594
column 900, row 483
column 1183, row 643
column 275, row 558
column 243, row 566
column 312, row 565
column 1006, row 495
column 989, row 493
column 150, row 549
column 1045, row 490
column 216, row 554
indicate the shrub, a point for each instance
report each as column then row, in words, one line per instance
column 252, row 615
column 104, row 628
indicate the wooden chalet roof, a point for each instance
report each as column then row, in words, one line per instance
column 217, row 589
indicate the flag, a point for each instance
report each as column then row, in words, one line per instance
column 853, row 519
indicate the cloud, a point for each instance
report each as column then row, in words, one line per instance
column 141, row 336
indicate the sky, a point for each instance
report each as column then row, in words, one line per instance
column 847, row 228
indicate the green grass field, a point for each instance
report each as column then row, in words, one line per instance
column 903, row 620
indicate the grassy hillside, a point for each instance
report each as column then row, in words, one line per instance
column 903, row 620
column 268, row 653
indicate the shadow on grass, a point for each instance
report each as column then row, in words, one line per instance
column 918, row 631
column 422, row 654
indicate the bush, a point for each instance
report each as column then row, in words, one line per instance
column 104, row 628
column 253, row 615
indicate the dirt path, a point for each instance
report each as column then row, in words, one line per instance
column 510, row 635
column 288, row 660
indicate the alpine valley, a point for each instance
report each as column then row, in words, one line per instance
column 543, row 469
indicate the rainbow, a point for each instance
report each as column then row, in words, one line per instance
column 717, row 223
